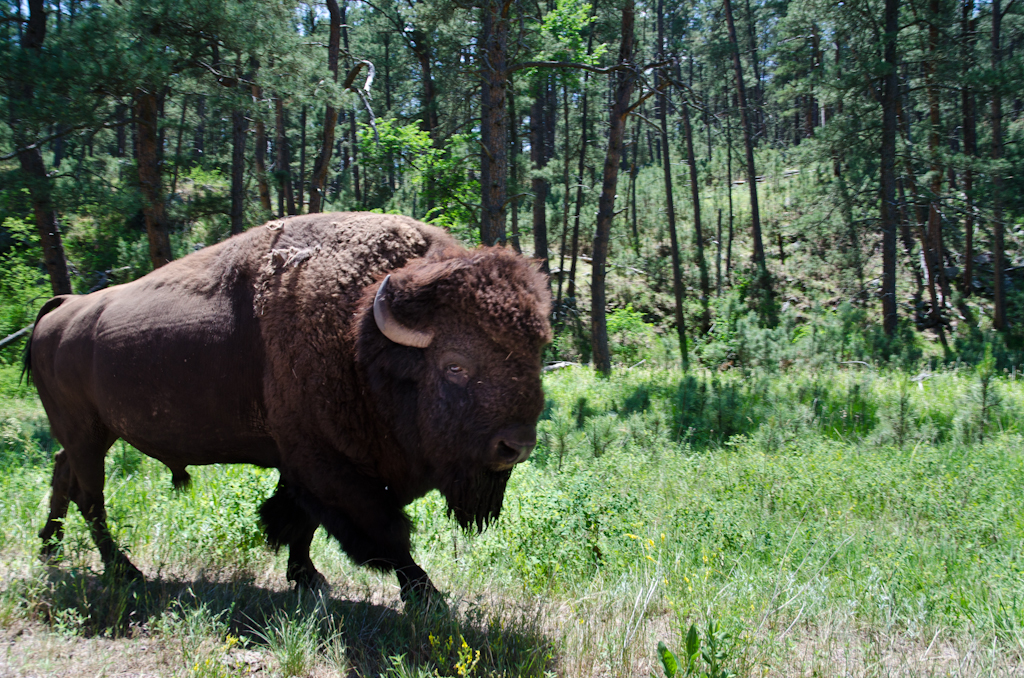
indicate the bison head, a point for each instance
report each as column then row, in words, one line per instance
column 452, row 352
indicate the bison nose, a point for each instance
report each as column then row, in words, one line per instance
column 513, row 446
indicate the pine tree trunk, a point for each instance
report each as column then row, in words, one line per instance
column 261, row 155
column 357, row 189
column 934, row 141
column 758, row 105
column 284, row 162
column 702, row 264
column 670, row 213
column 908, row 249
column 661, row 104
column 570, row 290
column 239, row 129
column 999, row 320
column 565, row 197
column 300, row 202
column 728, row 188
column 33, row 167
column 513, row 164
column 634, row 169
column 718, row 256
column 606, row 203
column 887, row 181
column 538, row 185
column 318, row 179
column 764, row 282
column 420, row 46
column 149, row 178
column 968, row 39
column 494, row 124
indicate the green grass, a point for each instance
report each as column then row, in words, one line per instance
column 836, row 522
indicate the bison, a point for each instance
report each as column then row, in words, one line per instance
column 370, row 358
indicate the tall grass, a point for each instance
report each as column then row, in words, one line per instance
column 845, row 521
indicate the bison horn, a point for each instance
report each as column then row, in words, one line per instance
column 391, row 328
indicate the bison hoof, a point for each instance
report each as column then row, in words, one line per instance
column 313, row 582
column 123, row 571
column 422, row 595
column 51, row 554
column 306, row 578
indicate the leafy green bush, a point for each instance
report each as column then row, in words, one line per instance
column 629, row 337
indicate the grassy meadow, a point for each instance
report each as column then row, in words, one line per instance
column 818, row 522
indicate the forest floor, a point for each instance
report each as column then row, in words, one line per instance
column 822, row 522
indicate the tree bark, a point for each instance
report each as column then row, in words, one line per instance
column 764, row 283
column 728, row 188
column 565, row 197
column 494, row 123
column 301, row 201
column 755, row 63
column 318, row 180
column 887, row 181
column 999, row 320
column 538, row 185
column 934, row 140
column 718, row 256
column 513, row 164
column 283, row 161
column 670, row 212
column 420, row 45
column 968, row 38
column 239, row 128
column 625, row 80
column 678, row 291
column 352, row 131
column 570, row 290
column 33, row 167
column 261, row 155
column 149, row 178
column 698, row 231
column 634, row 169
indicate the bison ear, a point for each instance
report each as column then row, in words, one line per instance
column 390, row 327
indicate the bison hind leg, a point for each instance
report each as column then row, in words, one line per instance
column 86, row 469
column 180, row 478
column 53, row 531
column 286, row 523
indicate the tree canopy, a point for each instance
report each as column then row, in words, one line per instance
column 864, row 153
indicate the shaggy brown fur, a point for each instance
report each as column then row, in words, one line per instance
column 264, row 350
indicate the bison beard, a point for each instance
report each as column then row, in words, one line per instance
column 476, row 499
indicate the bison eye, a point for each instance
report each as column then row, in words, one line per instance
column 456, row 374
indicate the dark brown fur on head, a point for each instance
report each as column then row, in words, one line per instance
column 488, row 310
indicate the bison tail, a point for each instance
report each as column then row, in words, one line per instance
column 26, row 360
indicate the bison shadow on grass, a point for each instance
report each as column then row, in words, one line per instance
column 197, row 616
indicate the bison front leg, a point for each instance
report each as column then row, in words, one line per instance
column 376, row 534
column 285, row 522
column 415, row 585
